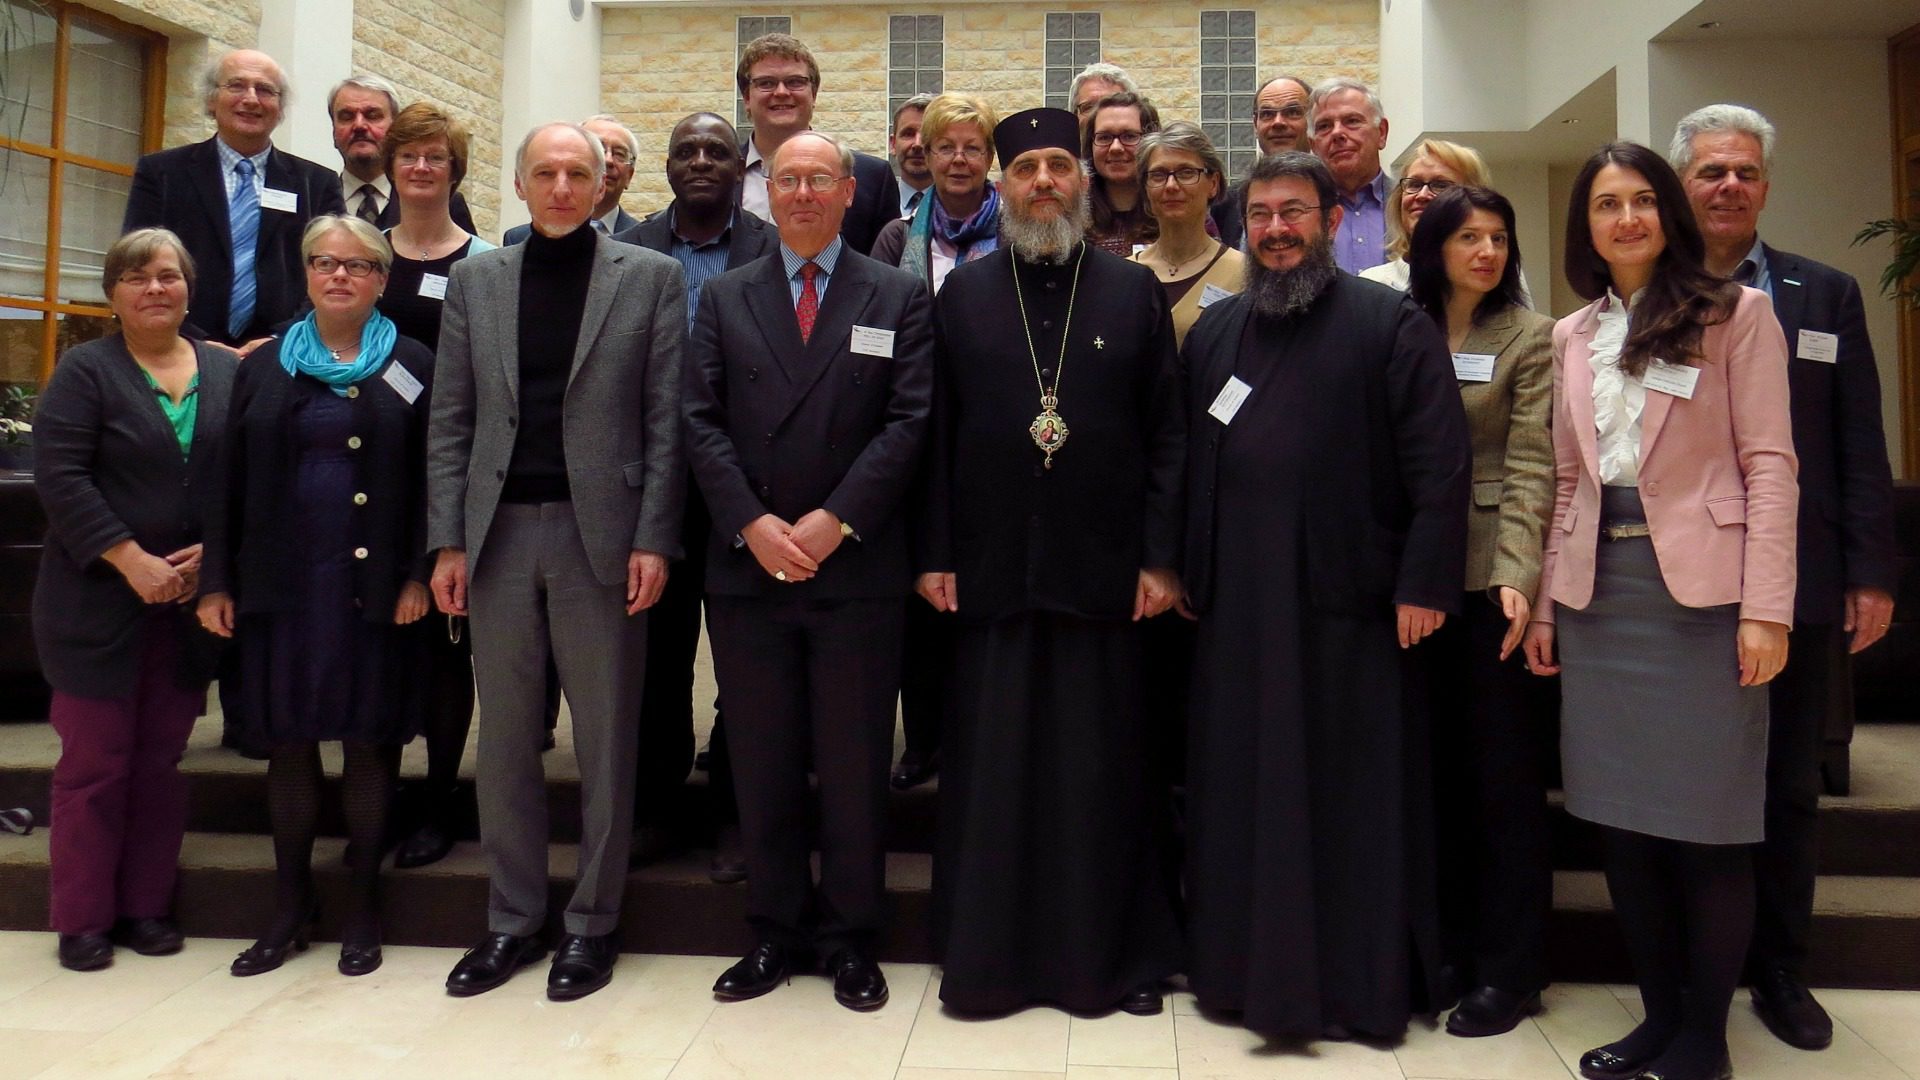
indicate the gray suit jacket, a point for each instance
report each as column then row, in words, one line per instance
column 626, row 463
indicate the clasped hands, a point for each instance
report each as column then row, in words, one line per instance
column 793, row 553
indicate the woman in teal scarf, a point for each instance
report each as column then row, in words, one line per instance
column 962, row 223
column 315, row 564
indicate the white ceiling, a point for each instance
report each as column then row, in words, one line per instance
column 1878, row 19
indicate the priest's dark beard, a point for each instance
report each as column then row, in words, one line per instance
column 1279, row 293
column 1044, row 241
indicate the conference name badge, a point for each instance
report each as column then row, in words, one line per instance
column 1473, row 366
column 433, row 286
column 1212, row 294
column 1232, row 396
column 1674, row 379
column 284, row 201
column 403, row 382
column 872, row 341
column 1818, row 347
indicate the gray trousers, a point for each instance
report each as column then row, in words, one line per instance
column 536, row 596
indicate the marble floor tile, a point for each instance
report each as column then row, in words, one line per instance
column 799, row 1032
column 1757, row 1055
column 97, row 1001
column 1119, row 1072
column 911, row 1072
column 1214, row 1050
column 1031, row 1040
column 1123, row 1040
column 1524, row 1053
column 29, row 1052
column 1581, row 1017
column 1888, row 1021
column 26, row 961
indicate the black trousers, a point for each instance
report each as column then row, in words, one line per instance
column 926, row 675
column 666, row 704
column 1491, row 746
column 1819, row 672
column 822, row 676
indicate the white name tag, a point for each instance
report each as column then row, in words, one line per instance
column 1675, row 379
column 283, row 201
column 1138, row 248
column 1473, row 366
column 433, row 286
column 1816, row 346
column 872, row 341
column 1232, row 396
column 1211, row 294
column 403, row 382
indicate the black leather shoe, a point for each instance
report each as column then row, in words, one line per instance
column 1489, row 1010
column 729, row 865
column 766, row 967
column 858, row 982
column 492, row 962
column 85, row 952
column 581, row 965
column 149, row 937
column 914, row 769
column 264, row 955
column 359, row 959
column 1143, row 1001
column 1723, row 1071
column 425, row 846
column 1601, row 1063
column 1789, row 1010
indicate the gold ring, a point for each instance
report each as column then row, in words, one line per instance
column 779, row 575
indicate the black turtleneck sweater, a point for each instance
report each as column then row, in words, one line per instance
column 553, row 297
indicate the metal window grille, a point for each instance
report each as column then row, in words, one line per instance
column 1227, row 84
column 1073, row 42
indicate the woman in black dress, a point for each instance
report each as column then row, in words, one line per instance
column 315, row 563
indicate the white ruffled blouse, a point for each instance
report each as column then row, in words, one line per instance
column 1618, row 398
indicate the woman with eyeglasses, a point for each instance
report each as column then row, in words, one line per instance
column 426, row 158
column 127, row 439
column 1436, row 167
column 1110, row 143
column 1183, row 175
column 962, row 222
column 316, row 564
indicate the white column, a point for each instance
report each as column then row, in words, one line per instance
column 551, row 71
column 313, row 42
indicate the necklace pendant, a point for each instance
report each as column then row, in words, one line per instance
column 1048, row 430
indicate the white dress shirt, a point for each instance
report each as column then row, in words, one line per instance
column 753, row 189
column 1618, row 398
column 350, row 187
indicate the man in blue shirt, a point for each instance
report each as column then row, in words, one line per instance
column 1349, row 130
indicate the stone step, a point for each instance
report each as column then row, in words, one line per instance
column 1866, row 929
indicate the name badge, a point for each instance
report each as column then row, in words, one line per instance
column 284, row 201
column 433, row 286
column 1138, row 248
column 1675, row 379
column 1211, row 294
column 1473, row 366
column 403, row 382
column 1232, row 396
column 1819, row 347
column 872, row 341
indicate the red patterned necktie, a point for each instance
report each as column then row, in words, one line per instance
column 809, row 306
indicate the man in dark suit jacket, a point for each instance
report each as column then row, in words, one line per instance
column 779, row 82
column 197, row 192
column 621, row 149
column 361, row 108
column 807, row 397
column 1847, row 568
column 708, row 235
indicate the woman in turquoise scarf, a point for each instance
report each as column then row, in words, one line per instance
column 315, row 564
column 962, row 223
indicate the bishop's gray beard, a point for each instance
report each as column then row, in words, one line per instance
column 1276, row 294
column 1051, row 241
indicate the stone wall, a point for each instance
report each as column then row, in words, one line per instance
column 658, row 64
column 198, row 31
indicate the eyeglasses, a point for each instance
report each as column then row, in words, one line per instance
column 239, row 87
column 620, row 155
column 1128, row 139
column 767, row 84
column 821, row 183
column 1431, row 187
column 140, row 280
column 436, row 162
column 326, row 265
column 1185, row 175
column 1293, row 113
column 1260, row 217
column 970, row 153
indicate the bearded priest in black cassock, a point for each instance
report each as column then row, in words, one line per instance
column 1052, row 527
column 1326, row 535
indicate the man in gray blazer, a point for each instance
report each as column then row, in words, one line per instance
column 555, row 477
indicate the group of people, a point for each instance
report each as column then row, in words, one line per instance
column 1236, row 523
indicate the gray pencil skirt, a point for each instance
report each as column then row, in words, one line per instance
column 1657, row 735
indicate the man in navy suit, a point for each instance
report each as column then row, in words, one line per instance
column 1847, row 570
column 238, row 204
column 780, row 83
column 807, row 396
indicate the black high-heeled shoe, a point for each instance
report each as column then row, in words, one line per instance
column 264, row 956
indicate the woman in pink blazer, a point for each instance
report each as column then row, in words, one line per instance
column 1667, row 586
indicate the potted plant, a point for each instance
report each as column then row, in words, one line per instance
column 1894, row 280
column 16, row 428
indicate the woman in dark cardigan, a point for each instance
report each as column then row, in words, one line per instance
column 315, row 562
column 127, row 439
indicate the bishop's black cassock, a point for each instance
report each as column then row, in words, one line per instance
column 1046, row 884
column 1338, row 490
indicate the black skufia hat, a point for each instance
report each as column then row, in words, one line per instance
column 1035, row 129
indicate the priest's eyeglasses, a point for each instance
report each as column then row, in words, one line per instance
column 821, row 183
column 1185, row 175
column 1260, row 217
column 326, row 265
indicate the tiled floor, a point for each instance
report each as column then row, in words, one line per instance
column 184, row 1016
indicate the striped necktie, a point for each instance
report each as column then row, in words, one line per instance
column 243, row 222
column 368, row 211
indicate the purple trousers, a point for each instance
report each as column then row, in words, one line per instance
column 119, row 801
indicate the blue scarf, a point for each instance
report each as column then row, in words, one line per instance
column 303, row 353
column 973, row 237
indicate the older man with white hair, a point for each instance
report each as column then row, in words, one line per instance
column 620, row 149
column 1348, row 128
column 238, row 203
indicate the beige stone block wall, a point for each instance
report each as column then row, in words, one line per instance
column 448, row 52
column 657, row 65
column 198, row 31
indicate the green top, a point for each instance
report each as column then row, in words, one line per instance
column 180, row 415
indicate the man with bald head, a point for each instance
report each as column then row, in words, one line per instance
column 808, row 391
column 238, row 204
column 621, row 150
column 1280, row 124
column 555, row 478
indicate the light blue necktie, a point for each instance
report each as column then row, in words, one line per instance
column 243, row 221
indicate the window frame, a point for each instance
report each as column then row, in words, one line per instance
column 1241, row 143
column 913, row 71
column 1072, row 41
